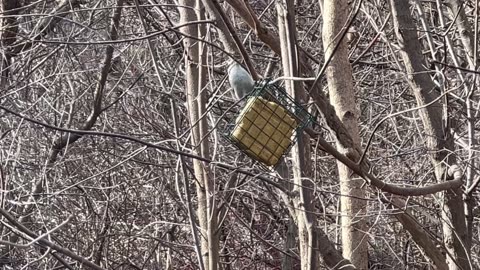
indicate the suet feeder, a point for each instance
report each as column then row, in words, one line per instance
column 269, row 123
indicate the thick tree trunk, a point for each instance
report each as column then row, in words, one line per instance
column 342, row 96
column 439, row 141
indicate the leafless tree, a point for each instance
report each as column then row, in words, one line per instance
column 113, row 154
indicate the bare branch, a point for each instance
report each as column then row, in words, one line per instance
column 47, row 243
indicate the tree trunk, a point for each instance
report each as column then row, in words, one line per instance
column 471, row 54
column 196, row 100
column 342, row 96
column 439, row 140
column 302, row 166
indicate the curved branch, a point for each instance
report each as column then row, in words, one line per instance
column 338, row 129
column 454, row 173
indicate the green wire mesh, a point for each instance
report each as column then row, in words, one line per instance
column 269, row 124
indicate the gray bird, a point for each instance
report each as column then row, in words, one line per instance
column 240, row 80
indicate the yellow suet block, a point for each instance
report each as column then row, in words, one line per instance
column 264, row 129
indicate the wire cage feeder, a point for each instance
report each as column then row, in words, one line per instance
column 269, row 123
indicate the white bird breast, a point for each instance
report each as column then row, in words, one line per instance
column 240, row 80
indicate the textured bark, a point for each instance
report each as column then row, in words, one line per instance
column 202, row 100
column 468, row 41
column 287, row 261
column 342, row 97
column 438, row 140
column 302, row 167
column 187, row 14
column 332, row 258
column 195, row 80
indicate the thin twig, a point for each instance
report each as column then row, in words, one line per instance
column 47, row 243
column 153, row 53
column 29, row 244
column 395, row 114
column 395, row 189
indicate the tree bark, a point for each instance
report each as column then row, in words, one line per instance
column 466, row 36
column 302, row 166
column 342, row 97
column 196, row 102
column 439, row 140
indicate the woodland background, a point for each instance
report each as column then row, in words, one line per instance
column 111, row 156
